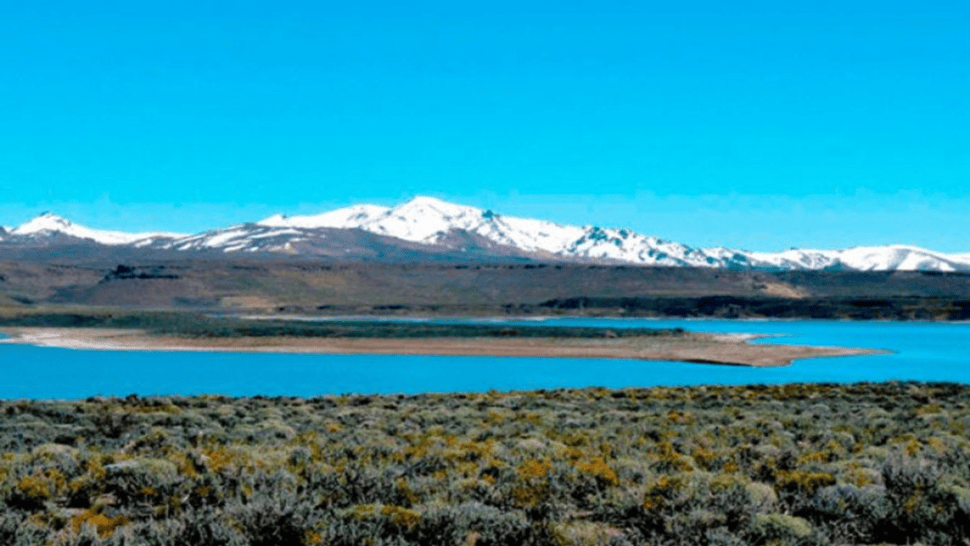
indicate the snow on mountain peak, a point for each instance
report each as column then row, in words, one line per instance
column 432, row 221
column 44, row 221
column 48, row 223
column 425, row 220
column 428, row 220
column 423, row 204
column 862, row 258
column 348, row 217
column 275, row 220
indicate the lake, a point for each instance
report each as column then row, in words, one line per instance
column 922, row 351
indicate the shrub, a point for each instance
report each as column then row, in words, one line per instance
column 140, row 480
column 851, row 513
column 32, row 492
column 703, row 466
column 202, row 527
column 598, row 469
column 280, row 519
column 474, row 523
column 102, row 524
column 765, row 527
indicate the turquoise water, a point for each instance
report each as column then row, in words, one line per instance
column 922, row 351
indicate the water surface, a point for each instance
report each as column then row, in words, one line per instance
column 922, row 351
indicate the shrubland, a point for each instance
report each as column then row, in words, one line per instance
column 885, row 463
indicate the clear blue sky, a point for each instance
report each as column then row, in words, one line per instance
column 755, row 124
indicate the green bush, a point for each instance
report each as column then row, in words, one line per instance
column 790, row 464
column 782, row 527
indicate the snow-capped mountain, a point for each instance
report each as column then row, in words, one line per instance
column 245, row 237
column 869, row 258
column 429, row 220
column 623, row 245
column 346, row 217
column 48, row 224
column 425, row 227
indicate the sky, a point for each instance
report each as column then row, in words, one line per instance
column 752, row 124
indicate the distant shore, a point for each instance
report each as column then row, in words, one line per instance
column 721, row 349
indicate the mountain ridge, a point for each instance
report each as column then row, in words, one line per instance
column 428, row 227
column 48, row 223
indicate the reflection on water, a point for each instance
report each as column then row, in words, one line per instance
column 923, row 351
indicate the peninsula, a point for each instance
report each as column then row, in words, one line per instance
column 420, row 339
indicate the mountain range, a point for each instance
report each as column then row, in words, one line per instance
column 429, row 229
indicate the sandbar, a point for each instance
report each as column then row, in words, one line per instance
column 731, row 349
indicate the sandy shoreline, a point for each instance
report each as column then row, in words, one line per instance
column 730, row 349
